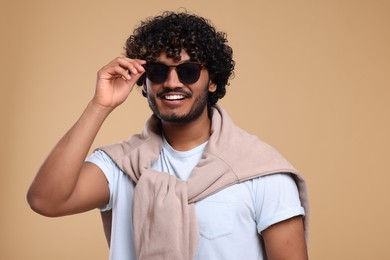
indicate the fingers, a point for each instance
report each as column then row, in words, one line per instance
column 123, row 67
column 116, row 80
column 131, row 67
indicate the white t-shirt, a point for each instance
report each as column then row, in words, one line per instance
column 230, row 221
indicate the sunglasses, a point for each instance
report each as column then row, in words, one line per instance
column 188, row 72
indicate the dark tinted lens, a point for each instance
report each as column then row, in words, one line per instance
column 188, row 72
column 157, row 72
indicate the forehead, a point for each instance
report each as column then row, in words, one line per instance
column 183, row 57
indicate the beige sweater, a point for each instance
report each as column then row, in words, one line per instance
column 231, row 156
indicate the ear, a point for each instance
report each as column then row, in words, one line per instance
column 212, row 86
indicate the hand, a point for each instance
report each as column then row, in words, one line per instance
column 116, row 80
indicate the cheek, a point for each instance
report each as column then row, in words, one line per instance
column 149, row 88
column 206, row 81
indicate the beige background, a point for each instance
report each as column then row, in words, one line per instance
column 312, row 79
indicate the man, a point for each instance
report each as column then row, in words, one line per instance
column 192, row 185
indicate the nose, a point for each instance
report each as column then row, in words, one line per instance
column 172, row 79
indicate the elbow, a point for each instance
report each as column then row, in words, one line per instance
column 41, row 205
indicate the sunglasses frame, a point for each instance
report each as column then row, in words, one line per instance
column 178, row 71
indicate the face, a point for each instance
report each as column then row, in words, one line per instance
column 177, row 102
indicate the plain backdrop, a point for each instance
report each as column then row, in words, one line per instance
column 312, row 79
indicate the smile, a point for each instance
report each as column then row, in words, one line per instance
column 174, row 97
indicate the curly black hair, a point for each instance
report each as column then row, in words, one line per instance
column 172, row 32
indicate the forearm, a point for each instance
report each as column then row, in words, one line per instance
column 58, row 175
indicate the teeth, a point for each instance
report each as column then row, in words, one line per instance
column 174, row 97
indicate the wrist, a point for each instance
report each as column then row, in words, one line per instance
column 98, row 109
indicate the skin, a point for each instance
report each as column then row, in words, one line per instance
column 66, row 185
column 286, row 240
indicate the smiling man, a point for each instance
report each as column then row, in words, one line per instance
column 192, row 185
column 176, row 103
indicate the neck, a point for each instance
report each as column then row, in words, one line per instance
column 185, row 136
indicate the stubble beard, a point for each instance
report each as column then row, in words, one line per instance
column 196, row 111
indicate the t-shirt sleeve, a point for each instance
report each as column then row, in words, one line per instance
column 108, row 167
column 276, row 199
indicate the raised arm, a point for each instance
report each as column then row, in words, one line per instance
column 65, row 184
